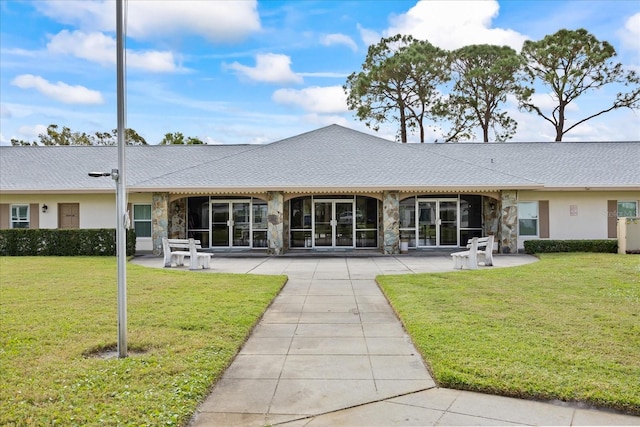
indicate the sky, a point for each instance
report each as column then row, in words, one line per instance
column 255, row 72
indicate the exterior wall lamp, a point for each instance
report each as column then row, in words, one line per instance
column 45, row 208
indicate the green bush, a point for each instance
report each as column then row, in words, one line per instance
column 54, row 242
column 547, row 246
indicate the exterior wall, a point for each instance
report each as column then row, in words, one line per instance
column 491, row 209
column 159, row 220
column 391, row 222
column 509, row 222
column 275, row 228
column 589, row 208
column 178, row 219
column 96, row 210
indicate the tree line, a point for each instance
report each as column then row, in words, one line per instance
column 415, row 83
column 56, row 136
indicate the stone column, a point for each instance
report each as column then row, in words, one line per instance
column 178, row 220
column 275, row 229
column 491, row 217
column 391, row 222
column 159, row 220
column 509, row 222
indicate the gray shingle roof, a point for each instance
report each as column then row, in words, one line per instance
column 332, row 158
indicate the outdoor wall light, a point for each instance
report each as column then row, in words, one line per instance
column 45, row 208
column 113, row 174
column 492, row 206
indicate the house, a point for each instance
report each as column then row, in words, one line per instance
column 330, row 189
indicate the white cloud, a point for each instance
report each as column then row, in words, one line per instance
column 270, row 68
column 369, row 37
column 453, row 24
column 547, row 102
column 31, row 132
column 630, row 34
column 324, row 100
column 217, row 21
column 60, row 91
column 325, row 120
column 100, row 48
column 339, row 39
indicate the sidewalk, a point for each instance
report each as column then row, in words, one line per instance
column 329, row 351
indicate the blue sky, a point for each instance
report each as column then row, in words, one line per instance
column 256, row 72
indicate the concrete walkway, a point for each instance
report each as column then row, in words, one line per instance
column 329, row 351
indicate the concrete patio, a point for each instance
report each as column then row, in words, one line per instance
column 329, row 351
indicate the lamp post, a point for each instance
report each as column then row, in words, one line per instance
column 118, row 176
column 121, row 253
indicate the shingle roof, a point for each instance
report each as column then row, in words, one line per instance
column 333, row 158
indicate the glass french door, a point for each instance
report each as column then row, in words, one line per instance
column 438, row 222
column 334, row 223
column 230, row 223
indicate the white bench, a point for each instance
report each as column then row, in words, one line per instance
column 485, row 250
column 479, row 248
column 197, row 260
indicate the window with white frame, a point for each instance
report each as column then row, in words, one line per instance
column 19, row 216
column 528, row 218
column 142, row 220
column 627, row 209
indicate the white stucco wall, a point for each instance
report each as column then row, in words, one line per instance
column 590, row 212
column 96, row 210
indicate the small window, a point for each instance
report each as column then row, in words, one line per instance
column 142, row 220
column 528, row 218
column 627, row 209
column 20, row 216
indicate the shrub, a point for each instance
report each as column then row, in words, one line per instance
column 546, row 246
column 55, row 242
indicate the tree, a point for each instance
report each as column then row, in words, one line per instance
column 176, row 138
column 67, row 137
column 429, row 69
column 397, row 83
column 131, row 137
column 64, row 137
column 570, row 63
column 483, row 77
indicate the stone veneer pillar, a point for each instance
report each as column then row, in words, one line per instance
column 275, row 229
column 159, row 220
column 509, row 222
column 491, row 217
column 178, row 221
column 391, row 222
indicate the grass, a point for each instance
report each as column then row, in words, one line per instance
column 184, row 328
column 566, row 327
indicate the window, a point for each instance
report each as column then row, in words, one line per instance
column 259, row 224
column 20, row 216
column 528, row 218
column 627, row 209
column 142, row 220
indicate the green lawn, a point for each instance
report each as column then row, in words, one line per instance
column 567, row 327
column 184, row 328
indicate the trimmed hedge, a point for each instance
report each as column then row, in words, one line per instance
column 54, row 242
column 546, row 246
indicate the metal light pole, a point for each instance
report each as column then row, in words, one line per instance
column 121, row 204
column 118, row 175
